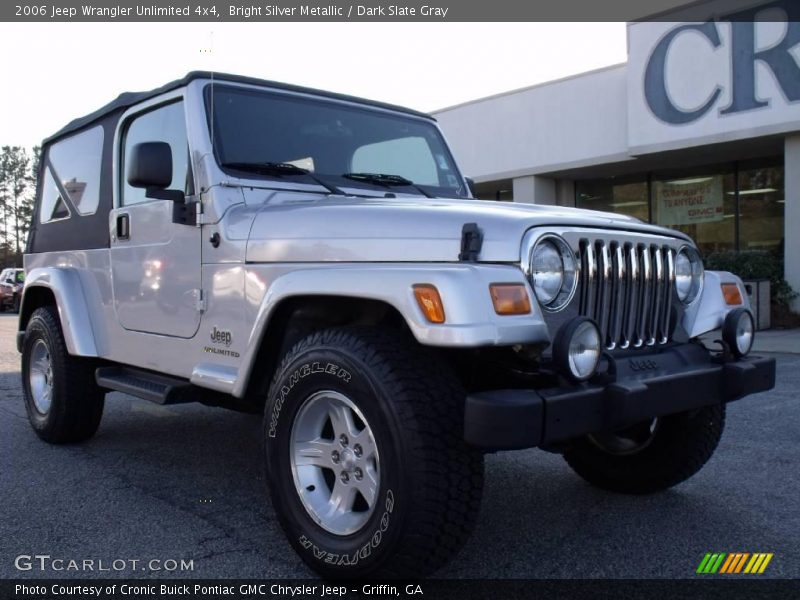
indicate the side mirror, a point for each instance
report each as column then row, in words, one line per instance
column 150, row 167
column 471, row 186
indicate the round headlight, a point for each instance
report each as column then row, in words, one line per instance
column 738, row 331
column 688, row 274
column 553, row 272
column 577, row 348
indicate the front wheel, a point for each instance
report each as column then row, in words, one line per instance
column 650, row 456
column 366, row 463
column 62, row 399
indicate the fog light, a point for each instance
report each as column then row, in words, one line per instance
column 738, row 331
column 577, row 349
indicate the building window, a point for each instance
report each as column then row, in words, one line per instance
column 761, row 206
column 702, row 205
column 627, row 198
column 499, row 191
column 730, row 207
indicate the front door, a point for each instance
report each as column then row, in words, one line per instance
column 155, row 263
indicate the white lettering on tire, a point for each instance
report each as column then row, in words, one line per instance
column 301, row 373
column 364, row 551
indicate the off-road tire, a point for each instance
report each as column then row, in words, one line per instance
column 16, row 303
column 77, row 402
column 430, row 480
column 681, row 445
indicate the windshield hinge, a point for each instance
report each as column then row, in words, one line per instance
column 200, row 301
column 471, row 243
column 197, row 201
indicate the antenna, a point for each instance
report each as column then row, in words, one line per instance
column 211, row 52
column 210, row 68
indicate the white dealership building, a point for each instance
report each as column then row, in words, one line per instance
column 699, row 130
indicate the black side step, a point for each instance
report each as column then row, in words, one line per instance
column 161, row 389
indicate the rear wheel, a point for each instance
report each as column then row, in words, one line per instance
column 650, row 456
column 366, row 463
column 62, row 399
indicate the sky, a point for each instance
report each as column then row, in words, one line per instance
column 54, row 72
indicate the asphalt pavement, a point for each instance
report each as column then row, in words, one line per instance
column 185, row 483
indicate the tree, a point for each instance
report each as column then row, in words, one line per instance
column 5, row 202
column 16, row 201
column 25, row 209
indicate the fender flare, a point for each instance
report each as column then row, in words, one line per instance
column 708, row 312
column 471, row 319
column 76, row 324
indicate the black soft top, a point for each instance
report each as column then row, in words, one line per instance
column 128, row 99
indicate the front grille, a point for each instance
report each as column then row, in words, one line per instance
column 627, row 288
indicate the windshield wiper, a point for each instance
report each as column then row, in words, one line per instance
column 385, row 180
column 279, row 169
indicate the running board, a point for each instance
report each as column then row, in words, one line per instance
column 160, row 389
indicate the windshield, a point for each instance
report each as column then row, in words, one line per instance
column 12, row 276
column 342, row 145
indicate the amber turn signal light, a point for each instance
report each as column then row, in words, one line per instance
column 429, row 302
column 510, row 298
column 732, row 294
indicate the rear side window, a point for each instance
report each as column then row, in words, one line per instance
column 53, row 207
column 72, row 176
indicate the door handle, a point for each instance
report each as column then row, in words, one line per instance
column 123, row 227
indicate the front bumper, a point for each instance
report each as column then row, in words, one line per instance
column 638, row 387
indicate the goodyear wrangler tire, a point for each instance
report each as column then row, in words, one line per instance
column 649, row 457
column 62, row 399
column 366, row 463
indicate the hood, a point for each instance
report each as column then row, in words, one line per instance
column 288, row 227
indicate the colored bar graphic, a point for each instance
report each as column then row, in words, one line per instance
column 726, row 566
column 717, row 564
column 711, row 562
column 703, row 563
column 749, row 567
column 722, row 563
column 764, row 564
column 757, row 564
column 741, row 563
column 734, row 560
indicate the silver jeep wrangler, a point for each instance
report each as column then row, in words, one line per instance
column 319, row 259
